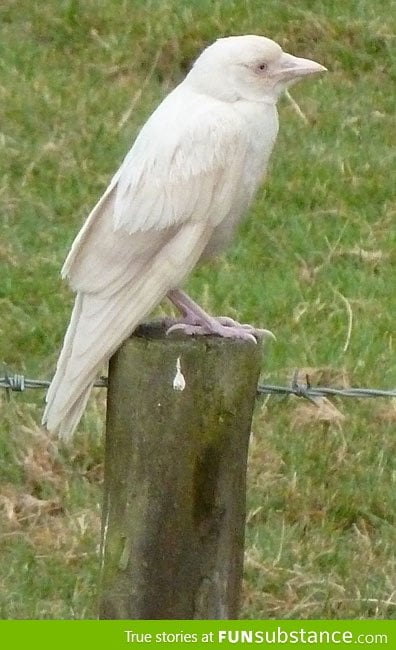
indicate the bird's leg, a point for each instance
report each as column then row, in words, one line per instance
column 197, row 321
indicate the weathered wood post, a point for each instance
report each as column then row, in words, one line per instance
column 179, row 412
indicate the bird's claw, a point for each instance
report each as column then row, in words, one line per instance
column 223, row 327
column 223, row 331
column 256, row 331
column 260, row 332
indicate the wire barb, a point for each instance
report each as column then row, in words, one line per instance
column 298, row 389
column 13, row 382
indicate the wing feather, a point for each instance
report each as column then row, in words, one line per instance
column 158, row 189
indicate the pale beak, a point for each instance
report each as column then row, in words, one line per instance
column 292, row 67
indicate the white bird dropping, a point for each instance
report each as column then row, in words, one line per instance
column 179, row 383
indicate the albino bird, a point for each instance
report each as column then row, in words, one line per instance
column 176, row 199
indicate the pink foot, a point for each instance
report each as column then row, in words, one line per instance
column 244, row 332
column 196, row 321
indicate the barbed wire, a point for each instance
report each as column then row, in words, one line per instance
column 20, row 383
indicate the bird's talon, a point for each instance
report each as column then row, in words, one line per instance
column 263, row 333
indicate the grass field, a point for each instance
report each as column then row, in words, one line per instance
column 318, row 249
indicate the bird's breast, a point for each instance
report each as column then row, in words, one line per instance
column 260, row 127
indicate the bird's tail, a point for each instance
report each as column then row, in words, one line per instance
column 97, row 328
column 60, row 416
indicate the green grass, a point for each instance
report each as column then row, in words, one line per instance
column 319, row 245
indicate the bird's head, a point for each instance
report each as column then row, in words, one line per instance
column 248, row 67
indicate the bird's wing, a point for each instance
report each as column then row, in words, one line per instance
column 190, row 174
column 101, row 322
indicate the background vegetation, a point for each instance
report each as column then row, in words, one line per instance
column 77, row 79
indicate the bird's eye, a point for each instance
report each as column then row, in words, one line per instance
column 262, row 66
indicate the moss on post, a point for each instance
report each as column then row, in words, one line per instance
column 178, row 421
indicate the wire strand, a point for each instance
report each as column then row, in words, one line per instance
column 19, row 383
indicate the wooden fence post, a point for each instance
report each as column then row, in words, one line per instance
column 179, row 413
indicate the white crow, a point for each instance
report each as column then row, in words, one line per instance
column 176, row 200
